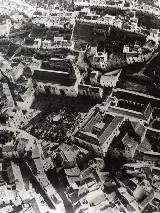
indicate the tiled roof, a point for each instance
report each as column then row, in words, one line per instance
column 138, row 128
column 38, row 31
column 127, row 113
column 7, row 148
column 108, row 129
column 88, row 137
column 93, row 120
column 144, row 146
column 72, row 172
column 11, row 49
column 129, row 141
column 147, row 111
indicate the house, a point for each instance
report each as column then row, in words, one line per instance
column 66, row 156
column 110, row 80
column 154, row 33
column 98, row 132
column 118, row 23
column 46, row 44
column 15, row 117
column 99, row 60
column 8, row 95
column 151, row 203
column 81, row 2
column 135, row 188
column 138, row 169
column 128, row 52
column 128, row 201
column 95, row 197
column 130, row 145
column 18, row 71
column 94, row 77
column 109, row 19
column 32, row 42
column 5, row 28
column 7, row 151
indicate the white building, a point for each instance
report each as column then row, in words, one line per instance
column 5, row 28
column 110, row 80
column 15, row 117
column 82, row 2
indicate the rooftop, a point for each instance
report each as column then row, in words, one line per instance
column 53, row 77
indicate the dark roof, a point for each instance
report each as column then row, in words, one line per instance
column 108, row 129
column 11, row 49
column 95, row 118
column 131, row 185
column 7, row 149
column 121, row 111
column 94, row 89
column 48, row 76
column 29, row 41
column 58, row 65
column 88, row 137
column 153, row 133
column 129, row 141
column 147, row 111
column 144, row 146
column 138, row 128
column 38, row 31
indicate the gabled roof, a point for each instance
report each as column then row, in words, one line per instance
column 129, row 141
column 108, row 129
column 147, row 111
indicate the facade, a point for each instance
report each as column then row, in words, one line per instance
column 110, row 80
column 95, row 93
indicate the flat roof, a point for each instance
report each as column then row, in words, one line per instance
column 53, row 77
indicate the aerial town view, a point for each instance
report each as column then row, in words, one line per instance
column 79, row 106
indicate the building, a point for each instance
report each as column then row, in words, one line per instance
column 138, row 110
column 130, row 145
column 18, row 71
column 98, row 132
column 138, row 169
column 57, row 76
column 109, row 19
column 15, row 117
column 81, row 2
column 95, row 93
column 8, row 95
column 110, row 79
column 135, row 189
column 5, row 28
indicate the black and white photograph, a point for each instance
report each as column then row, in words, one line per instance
column 79, row 106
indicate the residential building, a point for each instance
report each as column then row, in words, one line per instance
column 109, row 79
column 5, row 28
column 15, row 117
